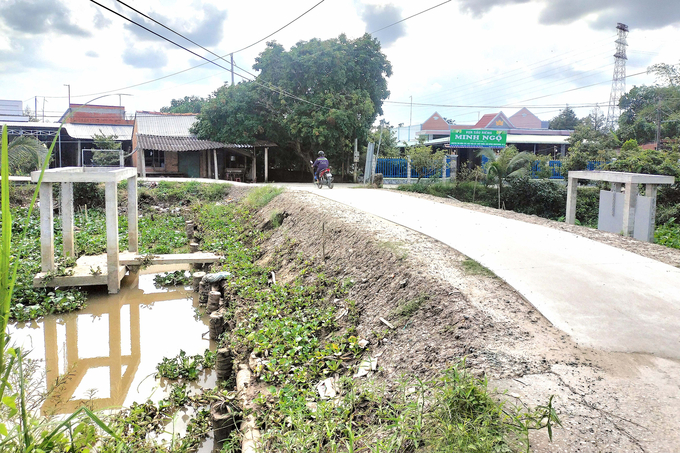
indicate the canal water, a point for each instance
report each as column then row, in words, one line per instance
column 109, row 350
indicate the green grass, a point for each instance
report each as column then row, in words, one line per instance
column 259, row 197
column 407, row 309
column 472, row 267
column 398, row 249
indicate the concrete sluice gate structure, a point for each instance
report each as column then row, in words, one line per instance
column 108, row 269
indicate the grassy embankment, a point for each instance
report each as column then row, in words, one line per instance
column 296, row 329
column 296, row 332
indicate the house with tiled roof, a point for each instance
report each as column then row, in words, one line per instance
column 164, row 146
column 524, row 130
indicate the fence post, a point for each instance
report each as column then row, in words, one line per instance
column 444, row 169
column 408, row 170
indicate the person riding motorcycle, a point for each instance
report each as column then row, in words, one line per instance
column 320, row 164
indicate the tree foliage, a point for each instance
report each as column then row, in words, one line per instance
column 317, row 95
column 591, row 141
column 424, row 161
column 506, row 164
column 565, row 120
column 386, row 136
column 106, row 142
column 189, row 104
column 643, row 106
column 25, row 154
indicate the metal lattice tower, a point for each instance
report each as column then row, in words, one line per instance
column 619, row 79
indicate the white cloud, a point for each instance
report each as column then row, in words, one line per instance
column 502, row 55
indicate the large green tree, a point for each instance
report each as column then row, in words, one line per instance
column 317, row 95
column 190, row 104
column 643, row 107
column 565, row 120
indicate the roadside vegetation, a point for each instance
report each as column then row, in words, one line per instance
column 548, row 198
column 297, row 333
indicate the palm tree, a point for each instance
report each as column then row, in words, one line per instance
column 25, row 154
column 506, row 164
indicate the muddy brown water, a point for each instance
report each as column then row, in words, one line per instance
column 110, row 349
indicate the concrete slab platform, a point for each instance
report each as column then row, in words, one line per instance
column 89, row 271
column 135, row 259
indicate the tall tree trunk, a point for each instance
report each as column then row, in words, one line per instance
column 306, row 156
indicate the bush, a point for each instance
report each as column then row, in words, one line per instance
column 587, row 205
column 543, row 198
column 466, row 191
column 187, row 192
column 91, row 194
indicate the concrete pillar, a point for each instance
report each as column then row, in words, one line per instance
column 112, row 262
column 79, row 157
column 67, row 219
column 133, row 227
column 616, row 188
column 650, row 191
column 142, row 161
column 572, row 190
column 266, row 164
column 408, row 170
column 254, row 168
column 563, row 150
column 46, row 227
column 629, row 202
column 217, row 176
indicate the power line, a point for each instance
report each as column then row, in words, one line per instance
column 505, row 75
column 420, row 104
column 279, row 91
column 187, row 69
column 409, row 17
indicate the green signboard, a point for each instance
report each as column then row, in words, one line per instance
column 478, row 138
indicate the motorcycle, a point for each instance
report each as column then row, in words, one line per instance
column 325, row 178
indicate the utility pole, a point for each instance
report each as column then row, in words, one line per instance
column 232, row 69
column 356, row 158
column 619, row 78
column 35, row 108
column 658, row 122
column 410, row 120
column 69, row 94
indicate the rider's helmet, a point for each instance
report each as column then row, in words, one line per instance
column 321, row 154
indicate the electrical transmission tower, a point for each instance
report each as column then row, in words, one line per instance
column 619, row 79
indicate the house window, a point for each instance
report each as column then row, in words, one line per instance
column 154, row 158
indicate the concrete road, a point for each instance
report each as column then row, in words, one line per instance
column 602, row 296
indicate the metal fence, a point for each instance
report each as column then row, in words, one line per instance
column 397, row 168
column 102, row 158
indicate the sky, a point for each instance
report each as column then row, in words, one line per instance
column 463, row 58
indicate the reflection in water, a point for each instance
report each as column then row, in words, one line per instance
column 104, row 355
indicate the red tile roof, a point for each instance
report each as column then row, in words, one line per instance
column 485, row 120
column 524, row 119
column 435, row 123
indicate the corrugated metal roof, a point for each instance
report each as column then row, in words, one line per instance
column 167, row 125
column 164, row 143
column 86, row 131
column 539, row 139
